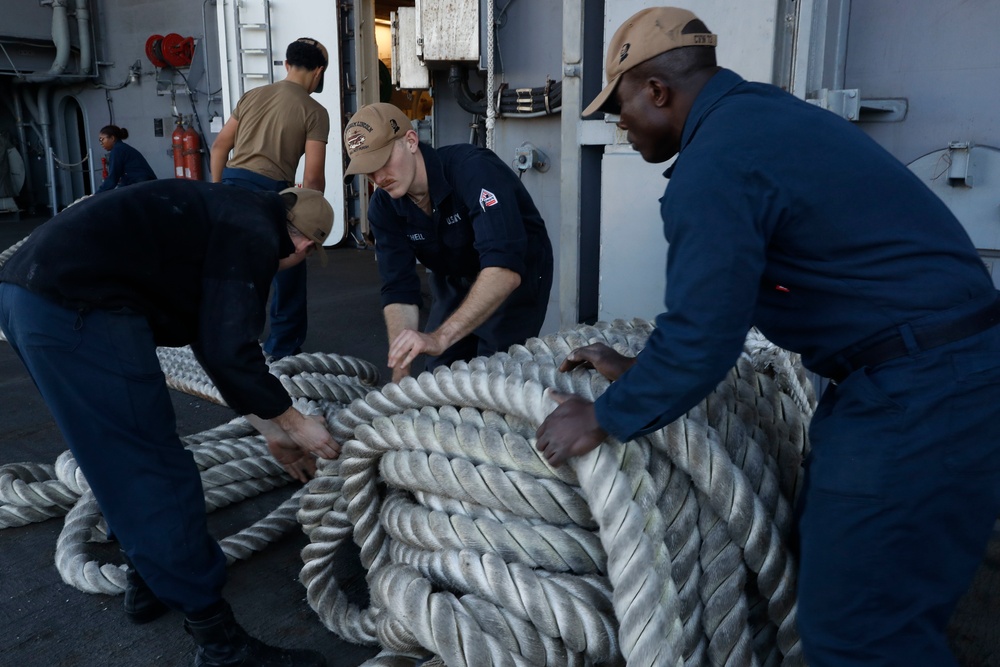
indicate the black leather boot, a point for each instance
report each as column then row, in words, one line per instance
column 141, row 605
column 223, row 643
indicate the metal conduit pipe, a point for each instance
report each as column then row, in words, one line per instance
column 32, row 105
column 843, row 25
column 204, row 50
column 22, row 137
column 61, row 39
column 31, row 118
column 60, row 36
column 40, row 110
column 83, row 30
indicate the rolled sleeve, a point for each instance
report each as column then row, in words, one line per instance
column 500, row 235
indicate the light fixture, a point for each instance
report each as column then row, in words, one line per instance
column 134, row 72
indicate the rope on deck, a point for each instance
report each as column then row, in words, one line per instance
column 234, row 462
column 666, row 550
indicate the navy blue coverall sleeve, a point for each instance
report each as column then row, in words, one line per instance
column 492, row 201
column 397, row 265
column 235, row 289
column 715, row 262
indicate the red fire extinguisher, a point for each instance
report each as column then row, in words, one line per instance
column 177, row 144
column 192, row 154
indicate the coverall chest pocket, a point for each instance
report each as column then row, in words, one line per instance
column 457, row 234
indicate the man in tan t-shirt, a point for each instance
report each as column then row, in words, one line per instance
column 270, row 130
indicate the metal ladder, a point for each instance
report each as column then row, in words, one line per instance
column 265, row 51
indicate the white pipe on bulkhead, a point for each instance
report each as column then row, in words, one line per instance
column 83, row 30
column 60, row 36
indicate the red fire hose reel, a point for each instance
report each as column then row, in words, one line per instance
column 170, row 50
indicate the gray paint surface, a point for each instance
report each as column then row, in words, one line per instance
column 942, row 56
column 122, row 27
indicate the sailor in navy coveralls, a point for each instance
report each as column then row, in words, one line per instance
column 780, row 214
column 464, row 215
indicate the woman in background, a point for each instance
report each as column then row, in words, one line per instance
column 126, row 165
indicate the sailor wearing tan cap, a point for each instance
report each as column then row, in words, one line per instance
column 782, row 215
column 464, row 215
column 86, row 301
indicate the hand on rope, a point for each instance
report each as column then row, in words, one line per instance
column 601, row 358
column 309, row 433
column 297, row 462
column 408, row 346
column 296, row 440
column 570, row 430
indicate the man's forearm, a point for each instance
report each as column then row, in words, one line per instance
column 492, row 287
column 400, row 316
column 217, row 161
column 219, row 153
column 314, row 169
column 265, row 427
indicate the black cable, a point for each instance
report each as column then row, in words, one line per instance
column 201, row 133
column 545, row 99
column 458, row 79
column 504, row 10
column 194, row 107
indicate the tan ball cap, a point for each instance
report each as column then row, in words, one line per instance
column 643, row 36
column 312, row 215
column 369, row 135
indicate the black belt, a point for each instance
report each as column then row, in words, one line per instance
column 925, row 337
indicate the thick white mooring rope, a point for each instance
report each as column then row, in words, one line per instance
column 234, row 461
column 480, row 553
column 666, row 550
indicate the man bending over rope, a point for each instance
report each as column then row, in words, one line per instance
column 85, row 302
column 782, row 215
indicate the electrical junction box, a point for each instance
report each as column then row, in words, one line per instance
column 448, row 30
column 408, row 71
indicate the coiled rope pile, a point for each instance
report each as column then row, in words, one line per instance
column 234, row 462
column 666, row 550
